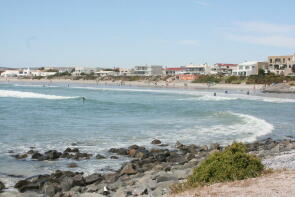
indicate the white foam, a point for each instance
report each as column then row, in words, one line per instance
column 198, row 95
column 250, row 126
column 21, row 94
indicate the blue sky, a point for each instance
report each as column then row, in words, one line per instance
column 135, row 32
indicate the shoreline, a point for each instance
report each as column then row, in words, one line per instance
column 150, row 171
column 160, row 84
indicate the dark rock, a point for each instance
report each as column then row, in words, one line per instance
column 52, row 155
column 166, row 178
column 2, row 186
column 79, row 180
column 98, row 156
column 20, row 156
column 133, row 147
column 156, row 141
column 37, row 156
column 25, row 185
column 93, row 178
column 119, row 151
column 114, row 157
column 73, row 150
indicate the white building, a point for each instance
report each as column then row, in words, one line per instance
column 202, row 69
column 148, row 71
column 83, row 70
column 223, row 69
column 39, row 73
column 246, row 69
column 10, row 73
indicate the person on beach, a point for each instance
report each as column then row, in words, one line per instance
column 214, row 94
column 248, row 92
column 83, row 99
column 225, row 92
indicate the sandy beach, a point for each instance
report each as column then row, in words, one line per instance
column 163, row 84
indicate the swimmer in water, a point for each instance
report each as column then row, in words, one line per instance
column 83, row 99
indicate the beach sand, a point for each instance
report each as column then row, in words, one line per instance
column 164, row 84
column 279, row 183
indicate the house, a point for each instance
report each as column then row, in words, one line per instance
column 174, row 71
column 39, row 73
column 202, row 69
column 223, row 69
column 282, row 65
column 249, row 68
column 80, row 70
column 10, row 73
column 148, row 70
column 104, row 73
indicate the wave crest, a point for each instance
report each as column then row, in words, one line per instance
column 21, row 94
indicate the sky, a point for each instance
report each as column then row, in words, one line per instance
column 126, row 33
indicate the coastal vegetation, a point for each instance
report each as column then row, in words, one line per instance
column 262, row 78
column 233, row 163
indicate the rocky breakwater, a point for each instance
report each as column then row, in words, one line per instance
column 150, row 172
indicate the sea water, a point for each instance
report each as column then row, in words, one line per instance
column 54, row 116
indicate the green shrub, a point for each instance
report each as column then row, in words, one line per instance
column 231, row 164
column 208, row 79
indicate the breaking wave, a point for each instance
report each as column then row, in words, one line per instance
column 21, row 94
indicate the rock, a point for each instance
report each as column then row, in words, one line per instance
column 128, row 169
column 37, row 156
column 72, row 165
column 52, row 155
column 204, row 148
column 98, row 156
column 93, row 178
column 166, row 178
column 78, row 180
column 66, row 183
column 20, row 156
column 110, row 177
column 114, row 157
column 69, row 150
column 30, row 152
column 156, row 141
column 133, row 147
column 141, row 154
column 119, row 151
column 215, row 146
column 2, row 186
column 50, row 189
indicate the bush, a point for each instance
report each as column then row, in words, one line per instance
column 208, row 79
column 231, row 164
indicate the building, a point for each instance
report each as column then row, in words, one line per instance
column 174, row 71
column 249, row 68
column 10, row 73
column 223, row 69
column 148, row 70
column 282, row 65
column 83, row 70
column 202, row 69
column 39, row 73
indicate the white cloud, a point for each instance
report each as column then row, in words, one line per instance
column 189, row 42
column 261, row 33
column 201, row 3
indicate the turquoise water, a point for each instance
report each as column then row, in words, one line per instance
column 54, row 117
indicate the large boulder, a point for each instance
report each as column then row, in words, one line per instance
column 66, row 183
column 37, row 156
column 52, row 155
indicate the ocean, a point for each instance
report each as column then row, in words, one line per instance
column 54, row 116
